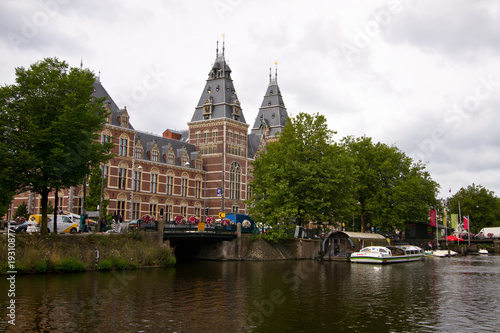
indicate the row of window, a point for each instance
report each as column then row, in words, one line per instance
column 237, row 138
column 153, row 188
column 155, row 153
column 236, row 150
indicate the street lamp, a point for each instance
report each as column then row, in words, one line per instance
column 139, row 168
column 100, row 200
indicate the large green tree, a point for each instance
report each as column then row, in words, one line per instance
column 302, row 177
column 389, row 188
column 49, row 122
column 479, row 203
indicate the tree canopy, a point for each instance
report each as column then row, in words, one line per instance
column 49, row 122
column 389, row 188
column 307, row 177
column 302, row 177
column 479, row 203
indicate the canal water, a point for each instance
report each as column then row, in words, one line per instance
column 434, row 295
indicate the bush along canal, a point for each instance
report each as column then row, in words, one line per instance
column 36, row 253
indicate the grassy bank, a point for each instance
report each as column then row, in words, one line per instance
column 72, row 253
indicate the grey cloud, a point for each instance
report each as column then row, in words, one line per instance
column 461, row 29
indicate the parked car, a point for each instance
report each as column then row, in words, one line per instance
column 64, row 225
column 134, row 224
column 18, row 228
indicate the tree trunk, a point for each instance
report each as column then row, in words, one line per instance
column 56, row 207
column 363, row 222
column 44, row 199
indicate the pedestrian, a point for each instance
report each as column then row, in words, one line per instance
column 85, row 226
column 103, row 225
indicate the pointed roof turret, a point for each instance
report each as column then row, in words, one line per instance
column 272, row 115
column 219, row 98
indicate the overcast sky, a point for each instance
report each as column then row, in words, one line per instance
column 421, row 75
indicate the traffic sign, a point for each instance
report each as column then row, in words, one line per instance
column 219, row 192
column 222, row 215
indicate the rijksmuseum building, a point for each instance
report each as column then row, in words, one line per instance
column 184, row 172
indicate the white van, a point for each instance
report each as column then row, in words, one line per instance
column 65, row 224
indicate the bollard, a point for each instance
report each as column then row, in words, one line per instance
column 96, row 257
column 161, row 229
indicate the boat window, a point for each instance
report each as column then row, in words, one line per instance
column 383, row 250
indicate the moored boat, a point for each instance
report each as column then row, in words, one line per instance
column 441, row 253
column 483, row 251
column 387, row 254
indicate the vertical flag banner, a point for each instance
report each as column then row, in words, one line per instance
column 454, row 221
column 466, row 222
column 444, row 219
column 432, row 216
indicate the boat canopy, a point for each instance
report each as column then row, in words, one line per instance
column 352, row 241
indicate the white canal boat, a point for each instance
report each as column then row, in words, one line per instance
column 387, row 254
column 441, row 253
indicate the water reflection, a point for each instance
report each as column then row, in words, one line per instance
column 433, row 295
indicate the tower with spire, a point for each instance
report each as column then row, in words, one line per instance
column 271, row 118
column 219, row 131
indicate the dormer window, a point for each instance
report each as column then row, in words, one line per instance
column 138, row 153
column 124, row 121
column 155, row 154
column 170, row 158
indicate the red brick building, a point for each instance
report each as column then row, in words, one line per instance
column 183, row 172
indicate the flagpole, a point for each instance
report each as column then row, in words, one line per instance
column 458, row 224
column 468, row 230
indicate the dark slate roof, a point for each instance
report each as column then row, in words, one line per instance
column 272, row 111
column 164, row 144
column 148, row 139
column 253, row 144
column 219, row 91
column 184, row 135
column 116, row 112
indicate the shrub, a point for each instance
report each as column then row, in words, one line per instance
column 70, row 264
column 41, row 266
column 121, row 264
column 105, row 265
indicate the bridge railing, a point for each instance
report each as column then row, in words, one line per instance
column 176, row 228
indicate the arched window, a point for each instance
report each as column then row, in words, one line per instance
column 234, row 181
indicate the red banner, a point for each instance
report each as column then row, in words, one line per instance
column 432, row 216
column 466, row 223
